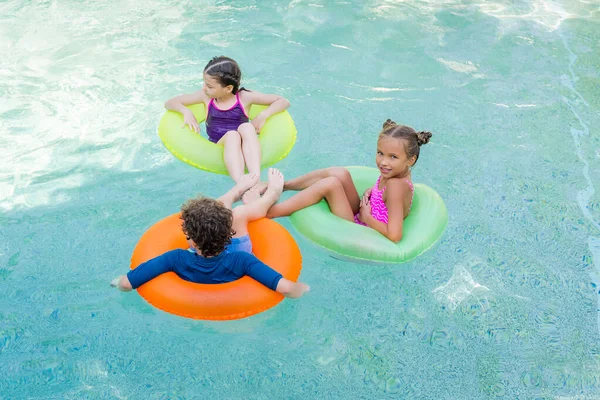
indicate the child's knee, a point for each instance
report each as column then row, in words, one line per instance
column 232, row 137
column 330, row 184
column 246, row 129
column 341, row 173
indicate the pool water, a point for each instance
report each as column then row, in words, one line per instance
column 504, row 306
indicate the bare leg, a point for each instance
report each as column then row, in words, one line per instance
column 250, row 147
column 330, row 189
column 252, row 156
column 340, row 173
column 234, row 194
column 257, row 209
column 232, row 154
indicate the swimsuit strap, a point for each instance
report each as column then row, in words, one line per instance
column 376, row 187
column 237, row 96
column 412, row 189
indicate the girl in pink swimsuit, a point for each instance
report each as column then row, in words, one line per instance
column 227, row 121
column 382, row 207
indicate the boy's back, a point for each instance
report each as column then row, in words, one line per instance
column 190, row 266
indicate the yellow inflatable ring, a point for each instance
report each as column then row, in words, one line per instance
column 276, row 139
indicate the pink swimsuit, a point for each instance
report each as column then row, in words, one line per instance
column 378, row 208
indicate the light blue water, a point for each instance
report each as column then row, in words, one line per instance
column 504, row 306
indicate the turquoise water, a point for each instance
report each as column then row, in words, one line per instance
column 505, row 306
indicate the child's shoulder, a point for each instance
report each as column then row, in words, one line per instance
column 178, row 254
column 398, row 185
column 246, row 94
column 240, row 257
column 397, row 181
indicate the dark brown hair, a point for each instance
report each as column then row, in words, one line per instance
column 208, row 223
column 226, row 71
column 414, row 140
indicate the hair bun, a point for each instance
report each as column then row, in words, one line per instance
column 389, row 124
column 423, row 137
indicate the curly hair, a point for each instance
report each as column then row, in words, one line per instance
column 208, row 223
column 414, row 140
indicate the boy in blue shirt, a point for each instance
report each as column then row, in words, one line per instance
column 220, row 248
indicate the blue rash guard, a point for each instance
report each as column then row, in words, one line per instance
column 190, row 266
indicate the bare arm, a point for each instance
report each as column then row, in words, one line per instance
column 396, row 191
column 276, row 104
column 179, row 103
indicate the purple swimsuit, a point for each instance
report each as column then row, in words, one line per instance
column 219, row 122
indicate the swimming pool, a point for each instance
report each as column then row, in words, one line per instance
column 504, row 306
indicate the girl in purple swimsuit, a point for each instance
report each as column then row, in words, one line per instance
column 227, row 121
column 382, row 207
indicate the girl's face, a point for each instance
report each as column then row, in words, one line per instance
column 391, row 157
column 213, row 89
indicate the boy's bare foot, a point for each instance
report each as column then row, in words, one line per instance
column 244, row 183
column 262, row 187
column 250, row 195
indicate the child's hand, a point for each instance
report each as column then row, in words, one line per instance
column 365, row 209
column 367, row 194
column 258, row 122
column 190, row 120
column 121, row 283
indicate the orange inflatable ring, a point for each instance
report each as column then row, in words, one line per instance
column 271, row 243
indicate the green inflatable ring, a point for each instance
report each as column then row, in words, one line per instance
column 422, row 228
column 276, row 139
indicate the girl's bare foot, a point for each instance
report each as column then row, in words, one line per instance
column 275, row 180
column 246, row 182
column 273, row 188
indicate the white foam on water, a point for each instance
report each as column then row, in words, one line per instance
column 529, row 40
column 464, row 67
column 525, row 105
column 78, row 91
column 382, row 89
column 387, row 90
column 374, row 99
column 460, row 288
column 339, row 46
column 548, row 13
